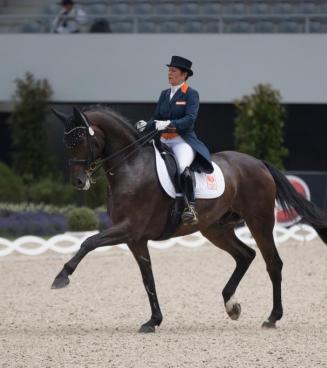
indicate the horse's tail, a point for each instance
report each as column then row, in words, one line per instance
column 289, row 198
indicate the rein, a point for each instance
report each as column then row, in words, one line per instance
column 142, row 141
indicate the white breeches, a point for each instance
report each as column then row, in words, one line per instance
column 184, row 153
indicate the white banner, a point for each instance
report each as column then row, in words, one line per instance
column 69, row 243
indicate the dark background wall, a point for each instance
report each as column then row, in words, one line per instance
column 305, row 136
column 305, row 131
column 5, row 139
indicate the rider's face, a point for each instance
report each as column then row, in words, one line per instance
column 68, row 7
column 176, row 76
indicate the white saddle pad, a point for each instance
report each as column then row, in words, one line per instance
column 207, row 185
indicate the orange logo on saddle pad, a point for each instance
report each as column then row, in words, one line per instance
column 180, row 102
column 211, row 182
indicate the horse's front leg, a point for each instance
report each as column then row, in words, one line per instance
column 115, row 235
column 142, row 256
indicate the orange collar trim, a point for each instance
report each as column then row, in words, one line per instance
column 184, row 88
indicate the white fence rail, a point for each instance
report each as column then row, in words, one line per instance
column 69, row 243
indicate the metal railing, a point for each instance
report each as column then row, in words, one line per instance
column 13, row 23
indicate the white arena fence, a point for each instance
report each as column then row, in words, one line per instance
column 69, row 243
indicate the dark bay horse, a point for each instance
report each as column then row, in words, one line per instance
column 139, row 208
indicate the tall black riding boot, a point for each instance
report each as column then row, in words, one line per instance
column 189, row 215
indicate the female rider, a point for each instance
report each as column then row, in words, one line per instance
column 174, row 117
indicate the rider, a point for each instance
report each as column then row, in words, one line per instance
column 174, row 116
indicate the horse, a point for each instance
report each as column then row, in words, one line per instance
column 102, row 137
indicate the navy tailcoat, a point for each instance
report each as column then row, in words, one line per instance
column 182, row 111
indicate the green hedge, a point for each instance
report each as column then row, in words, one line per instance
column 83, row 219
column 53, row 192
column 46, row 191
column 11, row 186
column 96, row 196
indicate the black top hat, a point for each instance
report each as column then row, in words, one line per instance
column 66, row 2
column 180, row 62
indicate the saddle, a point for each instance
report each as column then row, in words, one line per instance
column 207, row 186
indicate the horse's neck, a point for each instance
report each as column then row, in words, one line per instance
column 117, row 138
column 115, row 133
column 122, row 172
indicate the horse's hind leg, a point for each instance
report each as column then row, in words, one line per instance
column 261, row 228
column 243, row 256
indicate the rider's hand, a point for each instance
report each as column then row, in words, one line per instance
column 140, row 125
column 162, row 124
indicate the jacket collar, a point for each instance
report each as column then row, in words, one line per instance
column 184, row 88
column 179, row 93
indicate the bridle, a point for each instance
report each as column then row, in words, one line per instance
column 90, row 136
column 84, row 129
column 91, row 157
column 92, row 164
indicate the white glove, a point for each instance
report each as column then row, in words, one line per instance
column 140, row 125
column 162, row 124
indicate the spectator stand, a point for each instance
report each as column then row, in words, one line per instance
column 173, row 16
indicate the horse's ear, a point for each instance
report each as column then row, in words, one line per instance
column 78, row 117
column 61, row 116
column 81, row 120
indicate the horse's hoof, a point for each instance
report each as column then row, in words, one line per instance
column 268, row 324
column 147, row 328
column 60, row 282
column 235, row 312
column 233, row 309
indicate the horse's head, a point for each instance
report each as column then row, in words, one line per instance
column 82, row 146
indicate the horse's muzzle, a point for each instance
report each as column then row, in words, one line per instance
column 82, row 182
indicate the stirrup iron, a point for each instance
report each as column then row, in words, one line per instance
column 189, row 215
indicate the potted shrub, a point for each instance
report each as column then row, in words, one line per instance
column 259, row 125
column 82, row 220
